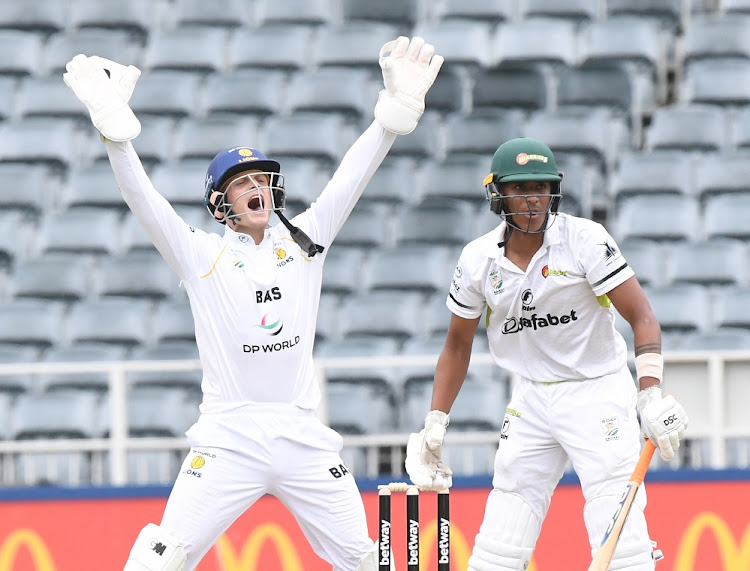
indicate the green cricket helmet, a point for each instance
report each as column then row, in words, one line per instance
column 522, row 159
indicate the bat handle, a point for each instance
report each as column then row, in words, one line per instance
column 642, row 466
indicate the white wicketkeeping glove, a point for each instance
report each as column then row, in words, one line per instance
column 663, row 420
column 105, row 98
column 409, row 70
column 123, row 77
column 423, row 462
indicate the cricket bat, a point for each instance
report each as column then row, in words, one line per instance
column 603, row 555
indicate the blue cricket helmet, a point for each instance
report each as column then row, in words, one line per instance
column 231, row 162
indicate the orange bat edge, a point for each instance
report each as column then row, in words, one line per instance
column 603, row 555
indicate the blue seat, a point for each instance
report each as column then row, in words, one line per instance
column 125, row 322
column 13, row 384
column 623, row 40
column 307, row 12
column 327, row 326
column 342, row 272
column 400, row 12
column 49, row 97
column 491, row 11
column 228, row 93
column 381, row 378
column 670, row 303
column 227, row 14
column 371, row 315
column 80, row 231
column 346, row 91
column 137, row 17
column 82, row 353
column 657, row 217
column 724, row 173
column 360, row 408
column 666, row 13
column 43, row 16
column 716, row 35
column 444, row 224
column 7, row 97
column 461, row 42
column 134, row 237
column 578, row 11
column 726, row 215
column 421, row 268
column 447, row 93
column 352, row 45
column 654, row 172
column 39, row 140
column 161, row 412
column 716, row 82
column 174, row 322
column 92, row 187
column 481, row 132
column 510, row 46
column 394, row 183
column 169, row 351
column 37, row 323
column 11, row 229
column 741, row 134
column 67, row 414
column 367, row 227
column 456, row 178
column 196, row 49
column 198, row 138
column 715, row 262
column 168, row 93
column 143, row 275
column 60, row 48
column 646, row 257
column 19, row 181
column 503, row 88
column 324, row 137
column 732, row 309
column 609, row 87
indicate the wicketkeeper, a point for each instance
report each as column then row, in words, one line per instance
column 254, row 294
column 547, row 285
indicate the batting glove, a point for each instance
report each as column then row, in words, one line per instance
column 663, row 420
column 409, row 70
column 423, row 454
column 103, row 97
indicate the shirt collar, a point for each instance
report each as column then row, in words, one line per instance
column 553, row 235
column 244, row 240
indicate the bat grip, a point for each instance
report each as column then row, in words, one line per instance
column 642, row 466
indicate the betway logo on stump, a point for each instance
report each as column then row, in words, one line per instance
column 518, row 324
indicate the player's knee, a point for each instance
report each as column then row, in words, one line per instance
column 155, row 550
column 507, row 536
column 634, row 549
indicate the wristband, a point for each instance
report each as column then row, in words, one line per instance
column 649, row 365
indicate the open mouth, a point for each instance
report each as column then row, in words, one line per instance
column 255, row 204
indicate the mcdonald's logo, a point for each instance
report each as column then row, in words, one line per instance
column 735, row 556
column 34, row 544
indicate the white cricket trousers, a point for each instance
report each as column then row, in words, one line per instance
column 238, row 456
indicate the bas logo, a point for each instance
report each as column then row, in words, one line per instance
column 734, row 556
column 34, row 544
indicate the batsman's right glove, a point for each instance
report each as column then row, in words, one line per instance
column 423, row 454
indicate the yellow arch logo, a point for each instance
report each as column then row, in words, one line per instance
column 734, row 556
column 250, row 554
column 33, row 543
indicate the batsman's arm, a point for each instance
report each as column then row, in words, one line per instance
column 453, row 362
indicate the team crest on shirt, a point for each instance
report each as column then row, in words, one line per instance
column 496, row 282
column 611, row 428
column 271, row 324
column 609, row 251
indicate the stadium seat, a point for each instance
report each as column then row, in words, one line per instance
column 134, row 237
column 360, row 408
column 399, row 12
column 716, row 262
column 711, row 36
column 327, row 326
column 61, row 47
column 125, row 322
column 444, row 224
column 137, row 17
column 397, row 315
column 509, row 88
column 160, row 412
column 20, row 181
column 170, row 351
column 173, row 322
column 226, row 14
column 480, row 405
column 39, row 140
column 12, row 230
column 353, row 44
column 395, row 183
column 31, row 322
column 457, row 178
column 481, row 132
column 227, row 93
column 83, row 353
column 510, row 45
column 342, row 271
column 461, row 42
column 657, row 217
column 347, row 91
column 64, row 414
column 578, row 11
column 422, row 268
column 13, row 384
column 283, row 47
column 381, row 378
column 583, row 186
column 726, row 215
column 80, row 231
column 94, row 186
column 447, row 93
column 738, row 7
column 588, row 87
column 654, row 172
column 722, row 174
column 667, row 13
column 43, row 16
column 48, row 97
column 307, row 12
column 308, row 135
column 304, row 180
column 437, row 315
column 20, row 52
column 688, row 128
column 716, row 82
column 195, row 49
column 137, row 275
column 7, row 97
column 721, row 340
column 646, row 257
column 153, row 467
column 681, row 308
column 490, row 11
column 166, row 93
column 181, row 183
column 741, row 129
column 203, row 138
column 63, row 278
column 732, row 309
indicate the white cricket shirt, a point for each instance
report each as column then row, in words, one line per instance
column 255, row 306
column 552, row 322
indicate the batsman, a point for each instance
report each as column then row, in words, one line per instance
column 254, row 292
column 548, row 285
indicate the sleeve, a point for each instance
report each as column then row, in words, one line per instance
column 175, row 240
column 603, row 263
column 327, row 215
column 466, row 296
